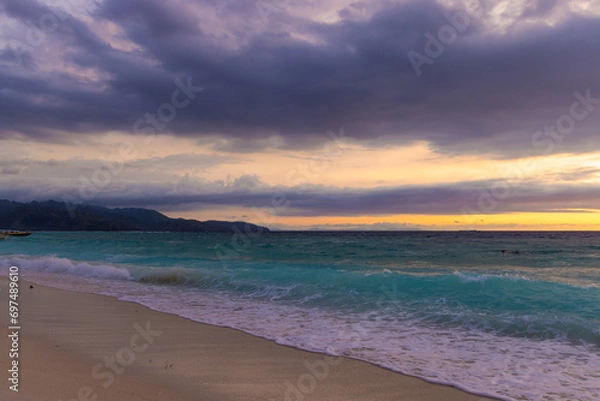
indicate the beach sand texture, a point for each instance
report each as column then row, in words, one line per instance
column 84, row 346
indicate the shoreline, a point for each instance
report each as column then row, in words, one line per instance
column 89, row 345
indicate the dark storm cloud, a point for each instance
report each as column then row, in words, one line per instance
column 487, row 93
column 7, row 57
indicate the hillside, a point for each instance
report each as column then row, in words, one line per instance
column 59, row 216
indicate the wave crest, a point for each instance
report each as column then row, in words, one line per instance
column 54, row 264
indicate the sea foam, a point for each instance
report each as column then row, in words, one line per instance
column 53, row 264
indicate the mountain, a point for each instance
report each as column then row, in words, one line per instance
column 59, row 216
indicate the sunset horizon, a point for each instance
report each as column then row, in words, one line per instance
column 300, row 200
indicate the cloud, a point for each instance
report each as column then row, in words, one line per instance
column 539, row 8
column 190, row 194
column 13, row 166
column 577, row 174
column 181, row 161
column 11, row 170
column 264, row 87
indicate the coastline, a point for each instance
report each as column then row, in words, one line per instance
column 86, row 346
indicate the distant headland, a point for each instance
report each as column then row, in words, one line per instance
column 60, row 216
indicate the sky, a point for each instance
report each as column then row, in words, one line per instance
column 329, row 114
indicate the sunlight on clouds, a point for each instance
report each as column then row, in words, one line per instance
column 353, row 167
column 414, row 164
column 501, row 16
column 504, row 13
column 589, row 7
column 555, row 169
column 24, row 147
column 328, row 12
column 111, row 33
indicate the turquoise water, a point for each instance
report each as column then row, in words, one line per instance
column 511, row 315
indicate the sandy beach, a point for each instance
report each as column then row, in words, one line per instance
column 78, row 346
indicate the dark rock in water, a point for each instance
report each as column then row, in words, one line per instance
column 511, row 252
column 30, row 286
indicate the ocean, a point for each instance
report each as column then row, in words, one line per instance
column 513, row 315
